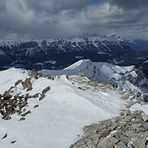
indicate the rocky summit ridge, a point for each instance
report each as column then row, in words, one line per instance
column 130, row 130
column 62, row 102
column 127, row 78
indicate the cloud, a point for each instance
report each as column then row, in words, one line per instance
column 129, row 4
column 54, row 6
column 63, row 18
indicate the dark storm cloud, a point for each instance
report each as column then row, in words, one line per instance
column 129, row 4
column 133, row 18
column 68, row 18
column 56, row 5
column 39, row 19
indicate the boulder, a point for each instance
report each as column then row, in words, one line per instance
column 145, row 118
column 46, row 90
column 27, row 84
column 7, row 95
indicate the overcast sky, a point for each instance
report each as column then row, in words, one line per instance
column 44, row 19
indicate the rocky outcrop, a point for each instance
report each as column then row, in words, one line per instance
column 7, row 95
column 12, row 102
column 130, row 130
column 27, row 84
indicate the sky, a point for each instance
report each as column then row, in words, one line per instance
column 45, row 19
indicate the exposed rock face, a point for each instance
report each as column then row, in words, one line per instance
column 128, row 130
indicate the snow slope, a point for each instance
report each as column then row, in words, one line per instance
column 142, row 107
column 60, row 116
column 126, row 77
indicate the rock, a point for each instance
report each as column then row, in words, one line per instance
column 4, row 136
column 36, row 95
column 113, row 140
column 18, row 82
column 145, row 118
column 23, row 104
column 46, row 90
column 12, row 142
column 26, row 97
column 41, row 97
column 130, row 103
column 6, row 117
column 15, row 103
column 118, row 132
column 36, row 106
column 49, row 77
column 24, row 109
column 137, row 143
column 129, row 133
column 24, row 114
column 121, row 145
column 21, row 119
column 81, row 144
column 125, row 113
column 95, row 138
column 27, row 84
column 105, row 143
column 7, row 95
column 124, row 139
column 137, row 112
column 136, row 125
column 125, row 96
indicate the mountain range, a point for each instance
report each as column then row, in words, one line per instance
column 59, row 53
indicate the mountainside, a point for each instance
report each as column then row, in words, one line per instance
column 50, row 108
column 59, row 53
column 51, row 112
column 126, row 77
column 143, row 66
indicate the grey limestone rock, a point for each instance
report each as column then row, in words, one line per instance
column 129, row 130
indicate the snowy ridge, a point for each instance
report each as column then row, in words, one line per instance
column 76, row 43
column 59, row 104
column 91, row 38
column 56, row 119
column 128, row 78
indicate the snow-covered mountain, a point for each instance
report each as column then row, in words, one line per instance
column 39, row 53
column 51, row 110
column 126, row 77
